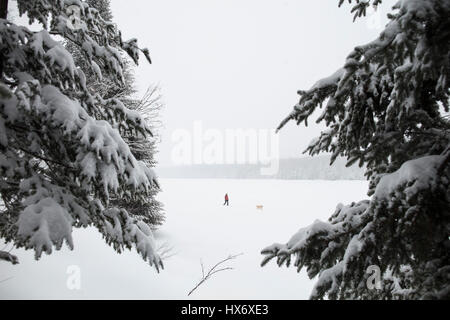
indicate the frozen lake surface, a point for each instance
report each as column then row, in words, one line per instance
column 198, row 228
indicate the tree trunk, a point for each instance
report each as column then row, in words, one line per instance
column 3, row 15
column 3, row 9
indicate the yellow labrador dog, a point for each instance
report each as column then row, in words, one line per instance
column 259, row 207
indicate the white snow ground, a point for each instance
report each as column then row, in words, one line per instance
column 198, row 228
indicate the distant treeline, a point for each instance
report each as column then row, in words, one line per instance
column 310, row 168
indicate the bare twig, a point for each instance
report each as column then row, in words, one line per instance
column 165, row 251
column 150, row 106
column 203, row 268
column 4, row 280
column 214, row 269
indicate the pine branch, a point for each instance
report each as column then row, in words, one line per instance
column 6, row 256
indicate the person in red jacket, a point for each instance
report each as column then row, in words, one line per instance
column 226, row 199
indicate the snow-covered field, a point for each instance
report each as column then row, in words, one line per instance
column 198, row 228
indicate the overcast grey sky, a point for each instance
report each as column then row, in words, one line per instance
column 239, row 63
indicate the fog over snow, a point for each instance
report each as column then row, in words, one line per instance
column 238, row 64
column 198, row 228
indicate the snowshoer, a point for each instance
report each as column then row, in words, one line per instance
column 226, row 199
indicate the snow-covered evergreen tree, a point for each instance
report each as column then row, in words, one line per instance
column 62, row 156
column 386, row 108
column 143, row 148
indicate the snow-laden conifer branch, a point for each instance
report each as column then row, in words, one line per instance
column 6, row 256
column 385, row 109
column 63, row 156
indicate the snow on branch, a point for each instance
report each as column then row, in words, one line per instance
column 373, row 89
column 324, row 236
column 64, row 158
column 337, row 251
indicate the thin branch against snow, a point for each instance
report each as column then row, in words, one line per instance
column 8, row 257
column 4, row 280
column 214, row 269
column 165, row 251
